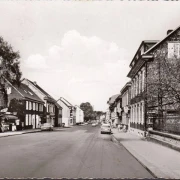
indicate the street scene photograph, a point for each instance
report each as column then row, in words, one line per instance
column 89, row 89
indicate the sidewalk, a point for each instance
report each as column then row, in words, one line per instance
column 14, row 133
column 162, row 161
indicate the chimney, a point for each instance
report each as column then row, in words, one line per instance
column 169, row 31
column 35, row 82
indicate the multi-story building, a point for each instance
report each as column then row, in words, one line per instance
column 68, row 112
column 114, row 103
column 125, row 94
column 49, row 102
column 137, row 74
column 162, row 62
column 26, row 104
column 79, row 115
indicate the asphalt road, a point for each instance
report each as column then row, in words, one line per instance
column 78, row 152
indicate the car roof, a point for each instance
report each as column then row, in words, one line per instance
column 105, row 124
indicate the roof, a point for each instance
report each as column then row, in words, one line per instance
column 172, row 32
column 143, row 42
column 128, row 84
column 43, row 91
column 67, row 103
column 27, row 92
column 58, row 106
column 113, row 98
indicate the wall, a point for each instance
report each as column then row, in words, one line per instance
column 65, row 113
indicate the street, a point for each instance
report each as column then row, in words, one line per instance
column 77, row 152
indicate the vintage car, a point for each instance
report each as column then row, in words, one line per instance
column 47, row 127
column 105, row 128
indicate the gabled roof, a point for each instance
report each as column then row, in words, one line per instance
column 67, row 103
column 43, row 91
column 25, row 92
column 157, row 44
column 142, row 43
column 58, row 106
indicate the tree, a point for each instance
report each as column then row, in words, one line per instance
column 88, row 110
column 9, row 69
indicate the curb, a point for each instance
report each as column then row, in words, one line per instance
column 164, row 143
column 114, row 139
column 19, row 134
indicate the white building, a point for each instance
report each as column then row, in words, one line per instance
column 67, row 112
column 79, row 115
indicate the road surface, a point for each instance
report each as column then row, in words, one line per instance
column 77, row 152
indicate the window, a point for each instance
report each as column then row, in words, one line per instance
column 30, row 105
column 30, row 119
column 26, row 119
column 34, row 106
column 174, row 50
column 27, row 105
column 41, row 107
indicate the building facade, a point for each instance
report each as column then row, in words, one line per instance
column 26, row 104
column 138, row 75
column 125, row 94
column 50, row 116
column 79, row 115
column 68, row 112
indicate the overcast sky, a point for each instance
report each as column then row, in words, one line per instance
column 81, row 50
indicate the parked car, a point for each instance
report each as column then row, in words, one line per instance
column 105, row 128
column 94, row 124
column 47, row 126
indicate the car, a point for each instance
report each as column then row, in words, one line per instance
column 47, row 126
column 106, row 128
column 94, row 124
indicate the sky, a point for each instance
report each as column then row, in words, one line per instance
column 81, row 50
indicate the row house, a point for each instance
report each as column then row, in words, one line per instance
column 68, row 111
column 137, row 74
column 26, row 104
column 125, row 105
column 79, row 115
column 52, row 112
column 114, row 103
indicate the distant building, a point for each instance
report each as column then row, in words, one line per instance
column 79, row 115
column 114, row 108
column 68, row 112
column 125, row 94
